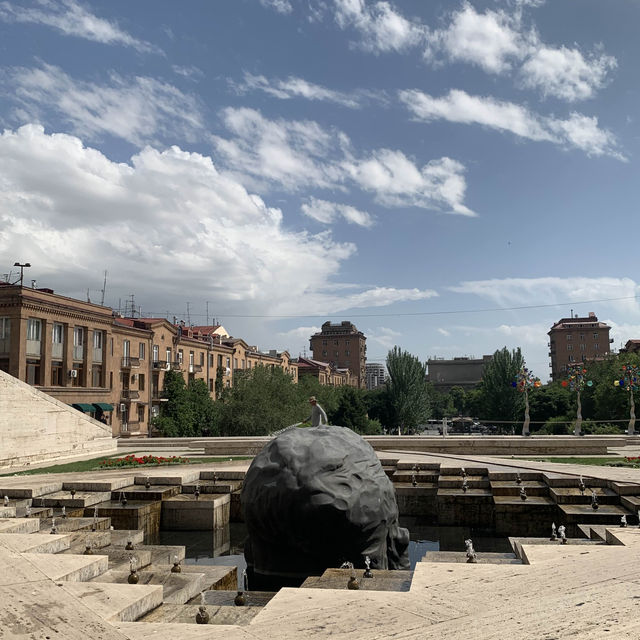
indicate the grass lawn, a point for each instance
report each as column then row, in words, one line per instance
column 598, row 462
column 94, row 465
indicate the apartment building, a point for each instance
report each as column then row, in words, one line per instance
column 326, row 373
column 577, row 339
column 111, row 367
column 342, row 346
column 461, row 371
column 375, row 374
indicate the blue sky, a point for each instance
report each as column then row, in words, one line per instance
column 421, row 168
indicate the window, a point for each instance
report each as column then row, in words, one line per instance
column 5, row 332
column 168, row 355
column 335, row 342
column 57, row 340
column 126, row 348
column 33, row 371
column 141, row 351
column 582, row 336
column 228, row 362
column 242, row 363
column 569, row 347
column 34, row 328
column 583, row 347
column 96, row 375
column 77, row 379
column 220, row 361
column 347, row 352
column 347, row 342
column 180, row 356
column 324, row 353
column 210, row 385
column 595, row 335
column 140, row 413
column 324, row 343
column 569, row 336
column 571, row 358
column 235, row 363
column 78, row 343
column 111, row 346
column 337, row 354
column 596, row 346
column 156, row 353
column 211, row 360
column 192, row 358
column 98, row 339
column 201, row 359
column 57, row 373
column 141, row 381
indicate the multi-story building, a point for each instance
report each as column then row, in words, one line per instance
column 342, row 346
column 375, row 375
column 112, row 367
column 577, row 339
column 326, row 373
column 463, row 371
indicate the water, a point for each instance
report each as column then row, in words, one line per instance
column 225, row 547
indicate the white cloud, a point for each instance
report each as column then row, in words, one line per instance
column 510, row 292
column 299, row 333
column 566, row 73
column 294, row 87
column 134, row 109
column 444, row 332
column 72, row 19
column 190, row 72
column 578, row 131
column 281, row 6
column 498, row 42
column 171, row 216
column 491, row 40
column 383, row 336
column 381, row 27
column 328, row 212
column 301, row 154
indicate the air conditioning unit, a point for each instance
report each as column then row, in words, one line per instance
column 190, row 368
column 168, row 367
column 123, row 407
column 73, row 373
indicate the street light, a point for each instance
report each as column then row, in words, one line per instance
column 22, row 266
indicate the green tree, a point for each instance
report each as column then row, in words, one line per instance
column 176, row 414
column 379, row 406
column 202, row 408
column 549, row 401
column 261, row 401
column 351, row 411
column 407, row 390
column 441, row 404
column 500, row 401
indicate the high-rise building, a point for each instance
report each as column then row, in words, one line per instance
column 462, row 371
column 342, row 346
column 576, row 339
column 376, row 375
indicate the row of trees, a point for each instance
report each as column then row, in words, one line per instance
column 264, row 399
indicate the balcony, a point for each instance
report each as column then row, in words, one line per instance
column 130, row 363
column 176, row 366
column 195, row 368
column 129, row 394
column 160, row 365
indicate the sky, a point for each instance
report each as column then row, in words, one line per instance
column 451, row 176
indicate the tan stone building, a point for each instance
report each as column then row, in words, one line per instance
column 342, row 346
column 577, row 339
column 326, row 373
column 111, row 367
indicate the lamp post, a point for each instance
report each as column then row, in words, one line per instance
column 22, row 266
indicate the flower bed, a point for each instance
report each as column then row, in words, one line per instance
column 135, row 461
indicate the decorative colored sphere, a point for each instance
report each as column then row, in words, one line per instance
column 616, row 383
column 564, row 383
column 622, row 383
column 589, row 383
column 513, row 384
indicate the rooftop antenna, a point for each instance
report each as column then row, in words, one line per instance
column 133, row 306
column 104, row 288
column 88, row 298
column 207, row 313
column 188, row 314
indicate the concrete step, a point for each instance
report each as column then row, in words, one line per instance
column 68, row 525
column 383, row 580
column 461, row 556
column 469, row 493
column 177, row 588
column 64, row 498
column 176, row 476
column 470, row 471
column 80, row 540
column 404, row 465
column 120, row 537
column 31, row 488
column 510, row 488
column 209, row 486
column 34, row 512
column 516, row 543
column 512, row 476
column 140, row 492
column 572, row 495
column 420, row 476
column 222, row 475
column 453, row 482
column 35, row 542
column 174, row 616
column 607, row 514
column 19, row 525
column 7, row 512
column 102, row 484
column 165, row 554
column 117, row 602
column 531, row 501
column 69, row 568
column 561, row 480
column 633, row 504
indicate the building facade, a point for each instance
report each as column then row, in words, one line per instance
column 325, row 373
column 376, row 375
column 111, row 367
column 342, row 346
column 462, row 372
column 577, row 339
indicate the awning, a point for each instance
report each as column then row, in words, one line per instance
column 83, row 406
column 103, row 406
